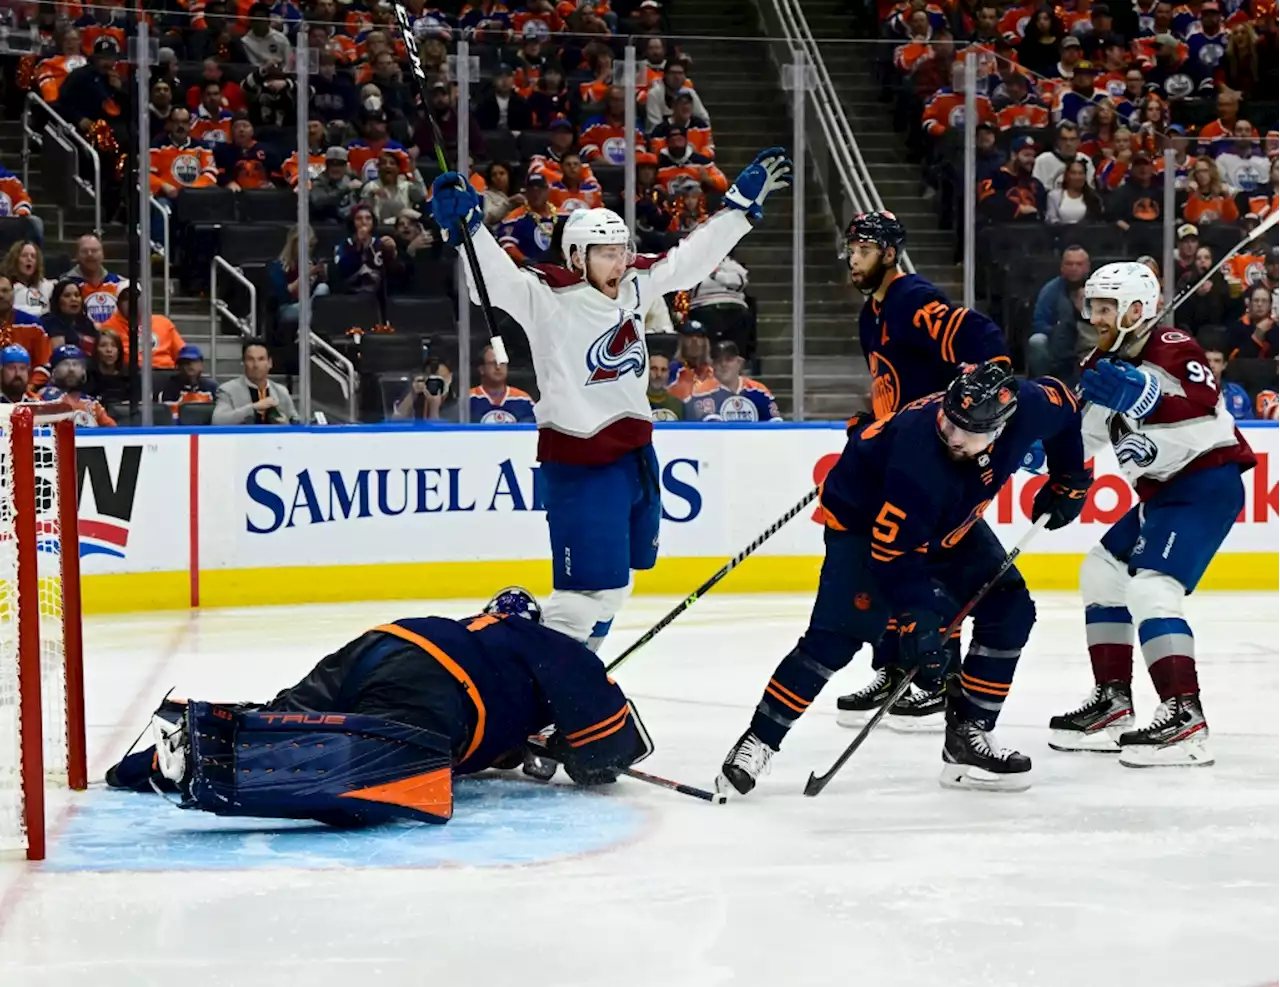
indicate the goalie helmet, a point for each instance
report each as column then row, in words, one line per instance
column 1125, row 283
column 983, row 398
column 515, row 601
column 591, row 227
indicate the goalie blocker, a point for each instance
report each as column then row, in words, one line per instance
column 377, row 729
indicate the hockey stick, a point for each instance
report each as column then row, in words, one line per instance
column 720, row 573
column 420, row 80
column 817, row 783
column 1186, row 294
column 715, row 798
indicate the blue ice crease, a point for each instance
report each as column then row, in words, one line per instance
column 496, row 821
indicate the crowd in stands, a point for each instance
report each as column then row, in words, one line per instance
column 1086, row 112
column 546, row 135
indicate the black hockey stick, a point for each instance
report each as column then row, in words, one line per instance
column 420, row 80
column 817, row 783
column 720, row 573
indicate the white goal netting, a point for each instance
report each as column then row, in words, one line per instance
column 31, row 580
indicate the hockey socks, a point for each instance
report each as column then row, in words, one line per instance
column 795, row 684
column 1169, row 650
column 985, row 678
column 1109, row 633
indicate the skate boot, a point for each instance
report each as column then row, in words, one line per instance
column 1096, row 725
column 919, row 711
column 972, row 760
column 537, row 765
column 856, row 708
column 1177, row 736
column 743, row 765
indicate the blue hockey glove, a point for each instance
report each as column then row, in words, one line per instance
column 1121, row 388
column 770, row 171
column 1062, row 498
column 453, row 203
column 920, row 643
column 1033, row 461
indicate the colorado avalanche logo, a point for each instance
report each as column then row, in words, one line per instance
column 616, row 352
column 1130, row 446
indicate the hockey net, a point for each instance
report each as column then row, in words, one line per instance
column 41, row 680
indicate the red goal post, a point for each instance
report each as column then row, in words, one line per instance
column 41, row 655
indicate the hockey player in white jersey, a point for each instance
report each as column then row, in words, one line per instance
column 1153, row 398
column 585, row 325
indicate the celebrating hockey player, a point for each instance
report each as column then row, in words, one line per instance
column 585, row 325
column 902, row 506
column 1152, row 396
column 915, row 341
column 378, row 728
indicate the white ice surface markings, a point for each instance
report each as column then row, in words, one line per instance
column 1097, row 875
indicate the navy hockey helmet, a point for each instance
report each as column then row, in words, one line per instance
column 982, row 398
column 882, row 228
column 515, row 601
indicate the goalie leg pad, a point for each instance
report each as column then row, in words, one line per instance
column 340, row 769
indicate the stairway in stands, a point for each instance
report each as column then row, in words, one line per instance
column 739, row 86
column 852, row 71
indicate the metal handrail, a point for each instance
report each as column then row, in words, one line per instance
column 332, row 363
column 29, row 135
column 854, row 175
column 218, row 309
column 339, row 369
column 166, row 248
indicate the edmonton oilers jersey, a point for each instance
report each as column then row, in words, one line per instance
column 516, row 406
column 915, row 340
column 712, row 401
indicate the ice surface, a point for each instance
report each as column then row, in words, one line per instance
column 1097, row 876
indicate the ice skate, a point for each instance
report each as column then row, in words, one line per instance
column 971, row 760
column 1177, row 736
column 1096, row 725
column 854, row 709
column 919, row 711
column 748, row 759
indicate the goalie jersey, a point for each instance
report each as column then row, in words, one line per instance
column 915, row 339
column 1190, row 428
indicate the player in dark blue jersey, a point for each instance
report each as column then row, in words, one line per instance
column 902, row 507
column 378, row 728
column 915, row 341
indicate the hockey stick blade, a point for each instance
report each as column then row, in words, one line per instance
column 719, row 574
column 419, row 72
column 817, row 783
column 715, row 798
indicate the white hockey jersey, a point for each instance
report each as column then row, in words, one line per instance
column 589, row 350
column 1190, row 428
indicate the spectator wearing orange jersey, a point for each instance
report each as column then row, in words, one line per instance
column 70, row 373
column 1207, row 199
column 50, row 73
column 680, row 160
column 1219, row 134
column 538, row 20
column 652, row 68
column 1076, row 18
column 17, row 327
column 189, row 384
column 574, row 190
column 212, row 123
column 899, row 19
column 693, row 360
column 945, row 110
column 217, row 41
column 166, row 341
column 932, row 72
column 317, row 145
column 597, row 89
column 16, row 201
column 1014, row 20
column 98, row 287
column 323, row 38
column 661, row 95
column 560, row 143
column 364, row 151
column 1113, row 66
column 180, row 162
column 604, row 137
column 230, row 95
column 530, row 62
column 919, row 33
column 1022, row 109
column 697, row 129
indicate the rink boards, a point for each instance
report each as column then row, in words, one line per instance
column 174, row 518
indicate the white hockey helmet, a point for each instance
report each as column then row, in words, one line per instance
column 588, row 227
column 1125, row 283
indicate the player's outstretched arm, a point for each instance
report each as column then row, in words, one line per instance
column 454, row 204
column 692, row 260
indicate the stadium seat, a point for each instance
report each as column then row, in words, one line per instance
column 1099, row 239
column 248, row 243
column 332, row 316
column 532, row 142
column 433, row 278
column 394, row 352
column 501, row 145
column 161, row 414
column 328, row 236
column 204, row 205
column 612, row 178
column 195, row 413
column 1219, row 237
column 424, row 315
column 56, row 264
column 268, row 205
column 13, row 229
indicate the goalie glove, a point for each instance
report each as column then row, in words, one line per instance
column 587, row 767
column 770, row 171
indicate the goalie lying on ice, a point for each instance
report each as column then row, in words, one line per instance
column 378, row 728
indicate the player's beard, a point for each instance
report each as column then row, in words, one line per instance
column 870, row 282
